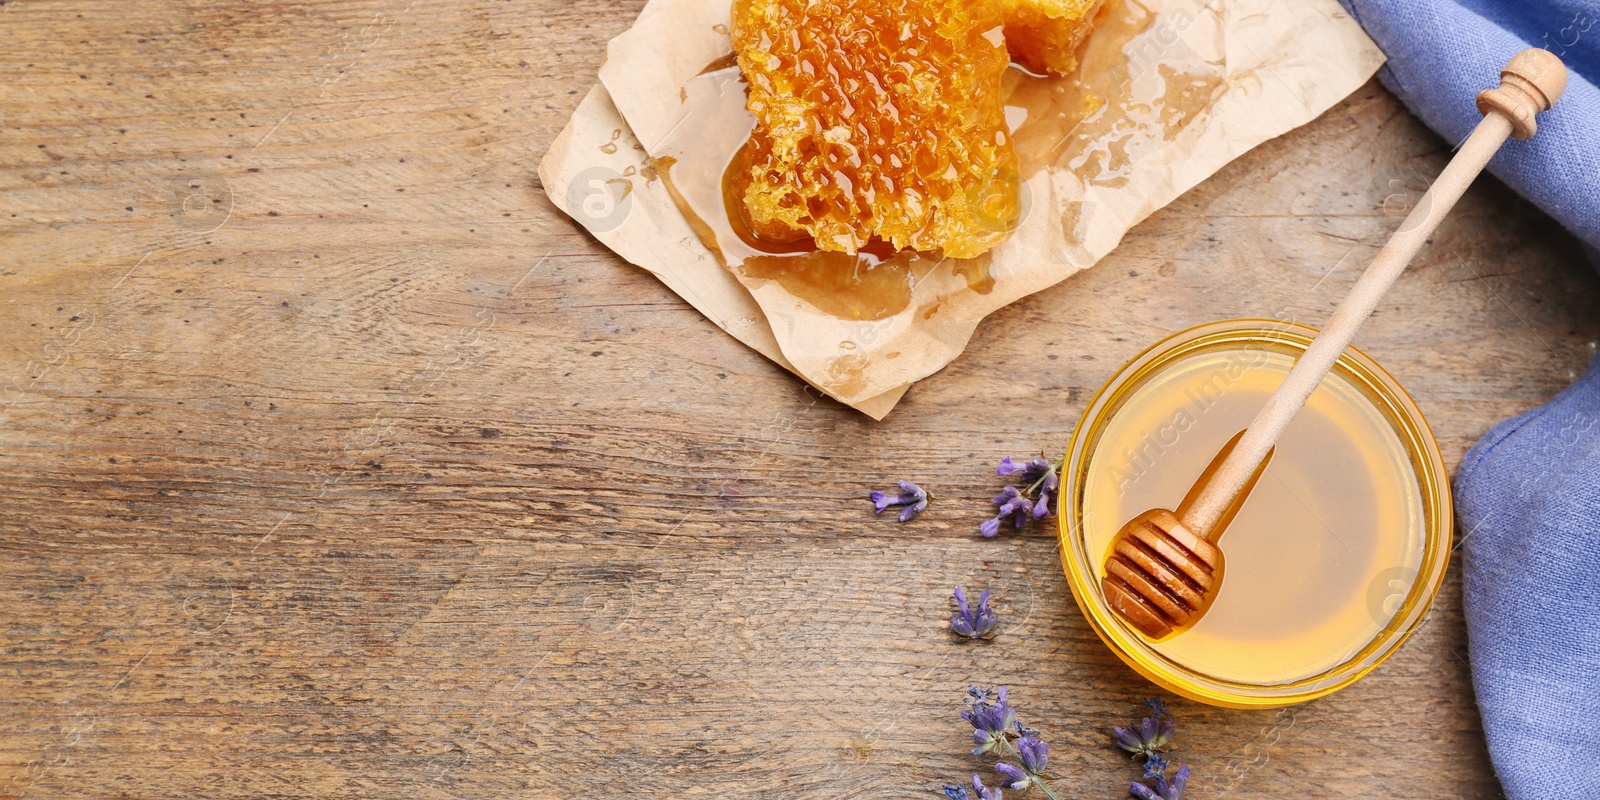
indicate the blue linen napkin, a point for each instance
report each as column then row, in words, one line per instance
column 1528, row 494
column 1443, row 52
column 1528, row 502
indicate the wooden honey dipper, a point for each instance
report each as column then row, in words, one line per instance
column 1162, row 570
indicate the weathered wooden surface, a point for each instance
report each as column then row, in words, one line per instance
column 338, row 463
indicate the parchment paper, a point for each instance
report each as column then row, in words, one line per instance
column 1171, row 90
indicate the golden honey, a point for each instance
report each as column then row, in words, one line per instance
column 876, row 120
column 1088, row 125
column 1332, row 558
column 699, row 162
column 1043, row 35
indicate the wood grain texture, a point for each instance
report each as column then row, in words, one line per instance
column 339, row 464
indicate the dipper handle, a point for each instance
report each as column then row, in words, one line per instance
column 1530, row 83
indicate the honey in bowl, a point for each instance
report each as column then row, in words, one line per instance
column 1334, row 554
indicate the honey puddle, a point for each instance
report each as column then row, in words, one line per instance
column 1319, row 552
column 1140, row 83
column 1058, row 122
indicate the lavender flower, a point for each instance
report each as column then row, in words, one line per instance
column 1034, row 753
column 974, row 622
column 1014, row 778
column 990, row 716
column 1035, row 756
column 1163, row 789
column 983, row 792
column 1155, row 766
column 1038, row 485
column 911, row 501
column 996, row 731
column 1151, row 735
column 1013, row 505
column 1031, row 470
column 1048, row 489
column 1147, row 740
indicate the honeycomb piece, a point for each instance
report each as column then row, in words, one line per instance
column 876, row 120
column 1043, row 35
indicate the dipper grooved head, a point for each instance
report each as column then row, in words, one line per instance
column 1160, row 575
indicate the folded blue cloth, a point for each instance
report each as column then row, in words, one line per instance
column 1528, row 494
column 1443, row 52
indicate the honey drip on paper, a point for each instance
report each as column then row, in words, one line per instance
column 1142, row 82
column 1321, row 551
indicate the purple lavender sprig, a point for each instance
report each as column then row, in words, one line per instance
column 1163, row 789
column 974, row 622
column 1013, row 506
column 1035, row 756
column 1040, row 484
column 981, row 792
column 990, row 716
column 912, row 500
column 1148, row 740
column 1151, row 735
column 996, row 731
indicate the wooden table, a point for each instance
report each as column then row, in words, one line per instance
column 339, row 463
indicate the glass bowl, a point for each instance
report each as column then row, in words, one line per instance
column 1333, row 560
